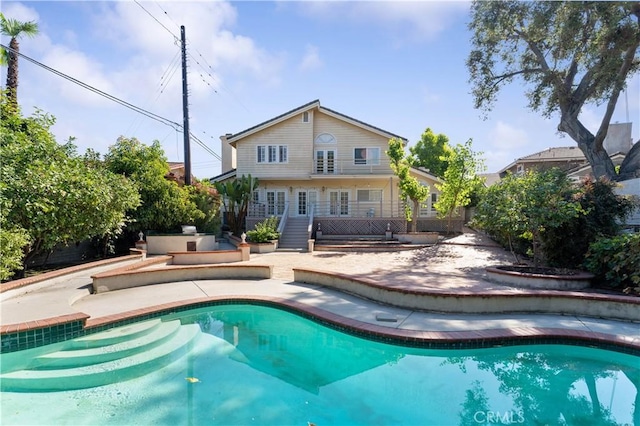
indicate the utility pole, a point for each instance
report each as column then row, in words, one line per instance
column 185, row 109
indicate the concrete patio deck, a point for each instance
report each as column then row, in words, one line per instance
column 455, row 265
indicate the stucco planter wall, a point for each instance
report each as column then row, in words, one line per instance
column 418, row 237
column 164, row 243
column 269, row 247
column 580, row 280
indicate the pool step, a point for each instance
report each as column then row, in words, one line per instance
column 114, row 335
column 69, row 358
column 147, row 358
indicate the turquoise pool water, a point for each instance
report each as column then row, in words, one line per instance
column 255, row 365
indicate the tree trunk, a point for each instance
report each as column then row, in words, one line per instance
column 12, row 72
column 414, row 216
column 630, row 167
column 601, row 164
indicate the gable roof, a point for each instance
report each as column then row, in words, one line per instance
column 558, row 153
column 223, row 176
column 233, row 138
column 424, row 173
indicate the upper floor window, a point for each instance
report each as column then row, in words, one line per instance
column 520, row 169
column 368, row 156
column 305, row 117
column 325, row 138
column 271, row 154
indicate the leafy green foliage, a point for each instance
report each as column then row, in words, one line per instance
column 236, row 195
column 165, row 205
column 566, row 245
column 616, row 260
column 524, row 206
column 568, row 54
column 460, row 180
column 431, row 152
column 207, row 200
column 264, row 231
column 54, row 195
column 12, row 239
column 410, row 187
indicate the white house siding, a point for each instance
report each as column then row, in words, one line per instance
column 631, row 187
column 296, row 135
column 348, row 138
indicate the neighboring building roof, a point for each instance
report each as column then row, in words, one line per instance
column 490, row 178
column 232, row 138
column 425, row 173
column 223, row 176
column 560, row 153
column 175, row 164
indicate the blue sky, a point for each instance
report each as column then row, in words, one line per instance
column 395, row 65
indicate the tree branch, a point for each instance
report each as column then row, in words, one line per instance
column 500, row 78
column 617, row 88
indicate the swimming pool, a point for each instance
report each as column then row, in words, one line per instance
column 248, row 364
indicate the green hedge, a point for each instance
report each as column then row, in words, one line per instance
column 616, row 261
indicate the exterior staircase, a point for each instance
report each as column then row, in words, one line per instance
column 295, row 235
column 99, row 359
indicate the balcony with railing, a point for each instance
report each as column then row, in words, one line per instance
column 327, row 164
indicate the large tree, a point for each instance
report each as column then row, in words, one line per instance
column 49, row 194
column 569, row 54
column 431, row 152
column 14, row 29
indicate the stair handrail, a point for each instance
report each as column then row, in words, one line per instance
column 283, row 219
column 310, row 224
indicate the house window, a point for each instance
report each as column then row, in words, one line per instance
column 325, row 162
column 275, row 203
column 272, row 154
column 366, row 156
column 262, row 154
column 434, row 200
column 369, row 195
column 520, row 169
column 305, row 117
column 325, row 138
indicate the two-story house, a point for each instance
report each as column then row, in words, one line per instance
column 322, row 168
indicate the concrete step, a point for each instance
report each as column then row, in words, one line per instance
column 103, row 373
column 114, row 335
column 96, row 355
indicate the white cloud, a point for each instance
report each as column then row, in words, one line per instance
column 505, row 136
column 19, row 12
column 429, row 96
column 417, row 20
column 81, row 67
column 311, row 59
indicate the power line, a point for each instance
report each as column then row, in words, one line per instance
column 137, row 109
column 215, row 80
column 175, row 39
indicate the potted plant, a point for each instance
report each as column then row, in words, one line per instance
column 264, row 238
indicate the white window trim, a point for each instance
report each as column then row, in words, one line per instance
column 306, row 117
column 369, row 201
column 369, row 160
column 264, row 154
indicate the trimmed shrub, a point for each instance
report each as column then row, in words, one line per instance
column 615, row 261
column 566, row 245
column 264, row 231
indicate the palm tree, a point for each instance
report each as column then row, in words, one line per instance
column 14, row 29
